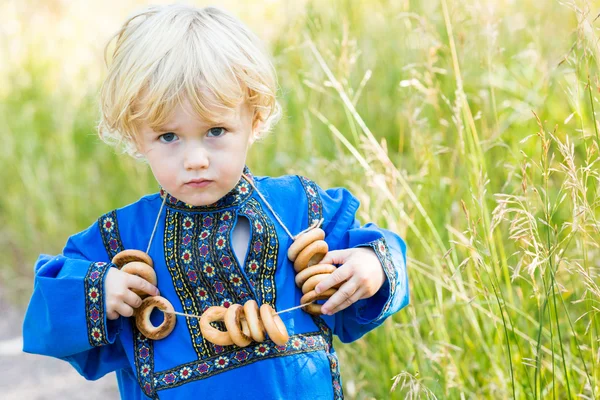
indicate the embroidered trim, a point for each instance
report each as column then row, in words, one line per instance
column 144, row 362
column 331, row 356
column 261, row 260
column 94, row 303
column 231, row 281
column 202, row 266
column 205, row 271
column 385, row 258
column 315, row 212
column 315, row 204
column 203, row 369
column 109, row 230
column 236, row 196
column 180, row 233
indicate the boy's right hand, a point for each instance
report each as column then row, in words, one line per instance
column 120, row 300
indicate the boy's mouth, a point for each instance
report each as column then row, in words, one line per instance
column 198, row 183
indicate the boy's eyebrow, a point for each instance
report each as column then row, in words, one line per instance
column 176, row 127
column 167, row 127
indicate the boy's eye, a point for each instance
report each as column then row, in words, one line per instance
column 216, row 132
column 167, row 137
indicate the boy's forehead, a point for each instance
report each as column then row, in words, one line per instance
column 212, row 113
column 215, row 110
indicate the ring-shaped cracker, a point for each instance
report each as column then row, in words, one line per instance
column 142, row 318
column 245, row 327
column 306, row 273
column 311, row 255
column 257, row 330
column 213, row 335
column 313, row 296
column 127, row 256
column 274, row 325
column 304, row 240
column 142, row 270
column 233, row 323
column 313, row 281
column 313, row 309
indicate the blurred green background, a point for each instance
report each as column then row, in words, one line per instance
column 466, row 126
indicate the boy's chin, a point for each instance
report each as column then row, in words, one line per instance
column 199, row 200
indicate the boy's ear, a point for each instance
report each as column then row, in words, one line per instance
column 257, row 126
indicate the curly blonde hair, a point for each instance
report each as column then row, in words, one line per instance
column 165, row 54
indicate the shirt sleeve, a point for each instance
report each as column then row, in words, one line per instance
column 66, row 316
column 344, row 231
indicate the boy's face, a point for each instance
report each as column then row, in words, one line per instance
column 196, row 162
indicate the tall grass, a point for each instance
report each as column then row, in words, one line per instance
column 467, row 127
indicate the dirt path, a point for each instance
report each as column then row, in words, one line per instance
column 29, row 377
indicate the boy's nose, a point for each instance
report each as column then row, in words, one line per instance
column 195, row 157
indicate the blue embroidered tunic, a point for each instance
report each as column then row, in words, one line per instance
column 197, row 268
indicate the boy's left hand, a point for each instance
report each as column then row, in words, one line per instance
column 361, row 273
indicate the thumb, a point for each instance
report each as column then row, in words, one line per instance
column 338, row 257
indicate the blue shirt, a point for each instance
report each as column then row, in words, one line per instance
column 197, row 268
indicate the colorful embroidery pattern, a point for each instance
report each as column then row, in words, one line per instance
column 315, row 212
column 336, row 379
column 385, row 258
column 110, row 233
column 144, row 361
column 239, row 356
column 182, row 261
column 262, row 253
column 315, row 204
column 205, row 271
column 230, row 283
column 109, row 230
column 142, row 346
column 203, row 268
column 94, row 303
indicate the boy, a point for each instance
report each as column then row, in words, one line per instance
column 189, row 90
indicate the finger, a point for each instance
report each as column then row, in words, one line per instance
column 345, row 304
column 124, row 310
column 132, row 299
column 340, row 299
column 338, row 257
column 335, row 278
column 135, row 282
column 112, row 315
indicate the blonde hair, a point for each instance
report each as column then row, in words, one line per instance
column 166, row 54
